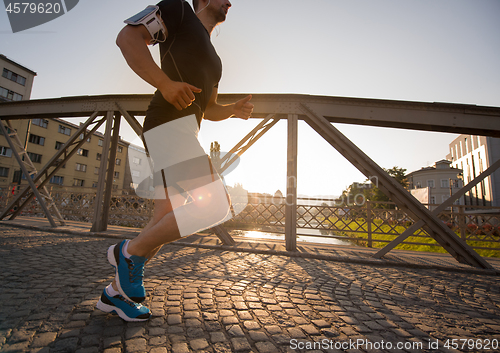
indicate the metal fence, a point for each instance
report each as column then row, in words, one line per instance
column 371, row 224
column 77, row 204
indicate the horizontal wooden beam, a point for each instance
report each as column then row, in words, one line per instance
column 439, row 117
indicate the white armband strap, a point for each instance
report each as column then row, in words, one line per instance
column 151, row 19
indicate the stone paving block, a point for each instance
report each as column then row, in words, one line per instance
column 44, row 339
column 230, row 320
column 180, row 347
column 281, row 339
column 67, row 344
column 296, row 332
column 235, row 331
column 90, row 340
column 217, row 337
column 266, row 347
column 133, row 332
column 158, row 350
column 21, row 335
column 174, row 319
column 210, row 316
column 251, row 325
column 258, row 336
column 136, row 345
column 199, row 344
column 310, row 329
column 299, row 320
column 240, row 344
column 112, row 341
column 194, row 332
column 240, row 306
column 157, row 340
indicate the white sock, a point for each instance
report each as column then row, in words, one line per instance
column 111, row 291
column 125, row 248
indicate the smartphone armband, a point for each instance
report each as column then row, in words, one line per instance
column 151, row 19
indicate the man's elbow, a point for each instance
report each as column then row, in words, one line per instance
column 120, row 38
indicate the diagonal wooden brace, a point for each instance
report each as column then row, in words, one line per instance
column 462, row 252
column 449, row 202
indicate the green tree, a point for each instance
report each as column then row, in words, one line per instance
column 374, row 194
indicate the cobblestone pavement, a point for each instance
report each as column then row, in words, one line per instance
column 208, row 300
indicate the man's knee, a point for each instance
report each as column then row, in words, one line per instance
column 210, row 206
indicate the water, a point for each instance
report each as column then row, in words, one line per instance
column 253, row 234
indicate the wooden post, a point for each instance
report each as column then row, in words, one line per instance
column 462, row 222
column 291, row 185
column 97, row 226
column 110, row 172
column 369, row 223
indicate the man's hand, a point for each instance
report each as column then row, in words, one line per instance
column 179, row 94
column 243, row 108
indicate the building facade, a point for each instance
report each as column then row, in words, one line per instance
column 433, row 185
column 474, row 154
column 16, row 81
column 43, row 137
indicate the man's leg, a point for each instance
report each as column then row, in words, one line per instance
column 162, row 207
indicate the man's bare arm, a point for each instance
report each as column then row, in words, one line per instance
column 133, row 42
column 216, row 112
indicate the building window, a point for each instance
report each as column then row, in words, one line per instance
column 82, row 136
column 96, row 170
column 14, row 77
column 118, row 161
column 4, row 172
column 136, row 173
column 59, row 145
column 430, row 183
column 79, row 182
column 120, row 149
column 445, row 183
column 94, row 184
column 98, row 157
column 40, row 122
column 58, row 180
column 5, row 151
column 115, row 187
column 35, row 158
column 39, row 140
column 100, row 142
column 64, row 130
column 82, row 152
column 10, row 95
column 32, row 176
column 433, row 200
column 136, row 161
column 117, row 175
column 81, row 167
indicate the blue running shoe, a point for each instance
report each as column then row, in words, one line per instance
column 126, row 309
column 128, row 273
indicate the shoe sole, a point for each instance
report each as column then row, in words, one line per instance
column 113, row 309
column 112, row 261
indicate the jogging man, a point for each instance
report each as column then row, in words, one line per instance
column 189, row 194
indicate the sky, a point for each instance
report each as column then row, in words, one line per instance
column 412, row 50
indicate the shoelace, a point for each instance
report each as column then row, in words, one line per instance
column 123, row 299
column 136, row 271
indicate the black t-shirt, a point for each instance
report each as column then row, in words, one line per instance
column 186, row 56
